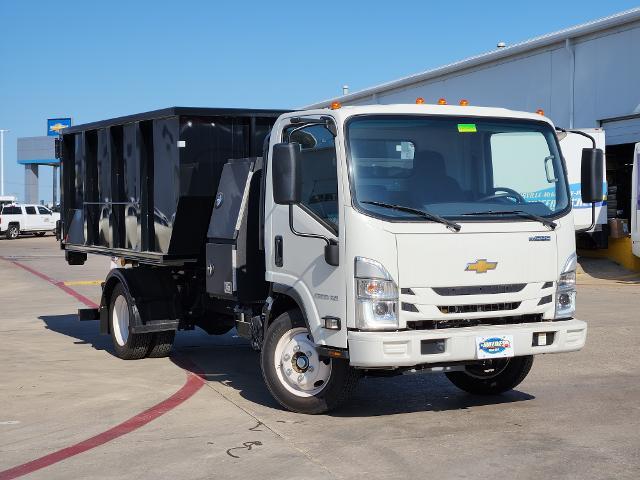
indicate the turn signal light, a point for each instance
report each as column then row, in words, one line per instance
column 420, row 101
column 540, row 111
column 464, row 103
column 335, row 105
column 442, row 101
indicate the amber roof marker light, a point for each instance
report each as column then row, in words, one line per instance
column 335, row 105
column 442, row 101
column 464, row 102
column 419, row 101
column 540, row 111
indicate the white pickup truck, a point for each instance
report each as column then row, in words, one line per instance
column 19, row 219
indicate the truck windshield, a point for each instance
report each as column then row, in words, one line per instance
column 472, row 168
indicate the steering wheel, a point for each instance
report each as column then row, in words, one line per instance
column 508, row 193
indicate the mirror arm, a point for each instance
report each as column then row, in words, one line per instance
column 593, row 220
column 305, row 235
column 578, row 132
column 593, row 204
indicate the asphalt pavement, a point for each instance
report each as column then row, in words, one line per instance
column 70, row 409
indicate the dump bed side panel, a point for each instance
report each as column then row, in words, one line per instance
column 145, row 189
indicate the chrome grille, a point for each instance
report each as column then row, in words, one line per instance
column 486, row 307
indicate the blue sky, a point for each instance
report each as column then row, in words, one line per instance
column 95, row 60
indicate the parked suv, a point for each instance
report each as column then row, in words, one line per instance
column 18, row 219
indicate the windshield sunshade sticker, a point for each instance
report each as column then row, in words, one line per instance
column 467, row 128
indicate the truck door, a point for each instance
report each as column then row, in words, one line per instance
column 297, row 263
column 45, row 216
column 635, row 202
column 31, row 218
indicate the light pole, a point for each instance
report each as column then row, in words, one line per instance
column 2, row 160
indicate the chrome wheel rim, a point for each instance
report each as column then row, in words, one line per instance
column 120, row 320
column 298, row 366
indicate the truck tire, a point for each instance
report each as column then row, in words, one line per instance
column 296, row 376
column 161, row 344
column 12, row 232
column 41, row 234
column 494, row 377
column 128, row 346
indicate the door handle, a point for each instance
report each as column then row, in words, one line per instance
column 278, row 251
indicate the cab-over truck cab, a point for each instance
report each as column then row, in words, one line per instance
column 417, row 237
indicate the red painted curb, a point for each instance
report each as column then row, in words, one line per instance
column 193, row 383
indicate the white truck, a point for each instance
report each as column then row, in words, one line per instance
column 367, row 240
column 19, row 219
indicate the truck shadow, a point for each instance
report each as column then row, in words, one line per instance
column 230, row 361
column 85, row 333
column 605, row 269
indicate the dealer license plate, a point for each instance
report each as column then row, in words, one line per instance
column 494, row 346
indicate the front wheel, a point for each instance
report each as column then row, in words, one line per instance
column 297, row 377
column 492, row 376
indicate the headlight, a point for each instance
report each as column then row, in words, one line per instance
column 566, row 290
column 376, row 296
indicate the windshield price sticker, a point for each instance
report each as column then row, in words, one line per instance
column 467, row 128
column 494, row 346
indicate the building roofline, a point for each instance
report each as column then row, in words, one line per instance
column 587, row 28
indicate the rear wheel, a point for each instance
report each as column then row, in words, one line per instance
column 492, row 376
column 128, row 346
column 161, row 344
column 297, row 377
column 41, row 234
column 12, row 232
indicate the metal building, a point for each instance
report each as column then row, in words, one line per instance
column 582, row 77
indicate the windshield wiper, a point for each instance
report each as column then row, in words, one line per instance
column 428, row 215
column 532, row 216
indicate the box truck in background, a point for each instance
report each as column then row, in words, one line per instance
column 572, row 143
column 369, row 240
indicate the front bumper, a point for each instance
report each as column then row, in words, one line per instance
column 404, row 349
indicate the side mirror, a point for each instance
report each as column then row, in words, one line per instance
column 331, row 253
column 286, row 177
column 592, row 174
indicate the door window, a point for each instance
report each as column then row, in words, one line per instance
column 319, row 173
column 31, row 210
column 43, row 211
column 11, row 211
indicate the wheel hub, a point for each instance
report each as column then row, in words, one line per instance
column 299, row 367
column 300, row 362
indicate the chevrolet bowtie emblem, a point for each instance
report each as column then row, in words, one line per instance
column 57, row 127
column 481, row 266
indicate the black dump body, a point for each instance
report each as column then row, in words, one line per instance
column 143, row 186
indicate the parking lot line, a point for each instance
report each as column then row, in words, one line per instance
column 76, row 283
column 61, row 285
column 193, row 384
